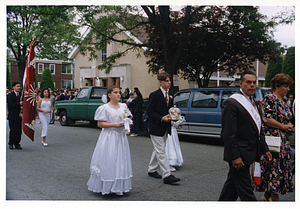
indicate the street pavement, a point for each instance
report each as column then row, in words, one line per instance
column 61, row 170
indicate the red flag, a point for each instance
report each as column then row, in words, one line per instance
column 28, row 120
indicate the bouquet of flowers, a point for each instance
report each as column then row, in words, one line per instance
column 126, row 119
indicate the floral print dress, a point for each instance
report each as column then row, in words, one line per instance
column 276, row 176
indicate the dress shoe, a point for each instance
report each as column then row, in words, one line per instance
column 171, row 179
column 172, row 169
column 154, row 175
column 11, row 146
column 44, row 144
column 18, row 147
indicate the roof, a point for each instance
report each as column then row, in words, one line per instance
column 86, row 30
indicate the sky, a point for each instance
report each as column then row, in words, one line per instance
column 285, row 34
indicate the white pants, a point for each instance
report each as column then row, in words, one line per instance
column 159, row 157
column 45, row 119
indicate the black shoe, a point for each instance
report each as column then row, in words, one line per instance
column 155, row 175
column 11, row 146
column 18, row 147
column 171, row 179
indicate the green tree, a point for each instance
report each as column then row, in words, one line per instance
column 8, row 78
column 274, row 67
column 47, row 79
column 53, row 29
column 227, row 39
column 288, row 67
column 106, row 23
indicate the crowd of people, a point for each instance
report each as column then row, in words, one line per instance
column 245, row 123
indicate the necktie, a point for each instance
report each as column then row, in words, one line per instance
column 167, row 100
column 252, row 101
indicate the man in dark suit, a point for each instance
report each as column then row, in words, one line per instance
column 244, row 139
column 15, row 120
column 62, row 95
column 159, row 128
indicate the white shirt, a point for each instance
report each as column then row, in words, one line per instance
column 17, row 93
column 164, row 92
column 251, row 101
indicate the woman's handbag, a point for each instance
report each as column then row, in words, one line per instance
column 273, row 143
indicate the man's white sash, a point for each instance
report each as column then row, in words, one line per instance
column 245, row 102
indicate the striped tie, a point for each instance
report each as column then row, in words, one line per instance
column 167, row 100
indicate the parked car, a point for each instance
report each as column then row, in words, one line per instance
column 202, row 108
column 82, row 107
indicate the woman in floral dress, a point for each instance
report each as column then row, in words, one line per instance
column 276, row 176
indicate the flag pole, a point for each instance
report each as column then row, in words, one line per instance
column 21, row 98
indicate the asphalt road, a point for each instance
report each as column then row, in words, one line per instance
column 61, row 170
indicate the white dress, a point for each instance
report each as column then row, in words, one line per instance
column 110, row 168
column 45, row 117
column 173, row 150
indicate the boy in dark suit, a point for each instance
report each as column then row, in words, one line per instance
column 15, row 120
column 244, row 139
column 159, row 128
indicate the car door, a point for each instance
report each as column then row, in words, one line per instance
column 94, row 102
column 204, row 114
column 181, row 100
column 79, row 104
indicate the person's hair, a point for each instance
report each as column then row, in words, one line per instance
column 109, row 90
column 246, row 72
column 15, row 83
column 163, row 76
column 140, row 97
column 281, row 79
column 42, row 93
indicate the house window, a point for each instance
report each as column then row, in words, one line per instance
column 66, row 69
column 40, row 68
column 103, row 56
column 104, row 50
column 52, row 68
column 66, row 84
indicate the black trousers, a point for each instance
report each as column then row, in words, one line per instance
column 15, row 126
column 238, row 184
column 137, row 121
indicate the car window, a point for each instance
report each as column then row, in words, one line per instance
column 205, row 99
column 97, row 93
column 83, row 93
column 182, row 99
column 226, row 95
column 265, row 92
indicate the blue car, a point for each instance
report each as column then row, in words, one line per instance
column 201, row 108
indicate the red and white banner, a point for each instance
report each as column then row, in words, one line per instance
column 28, row 120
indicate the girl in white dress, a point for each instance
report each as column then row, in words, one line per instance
column 173, row 150
column 44, row 107
column 110, row 168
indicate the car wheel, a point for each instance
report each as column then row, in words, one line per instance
column 63, row 118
